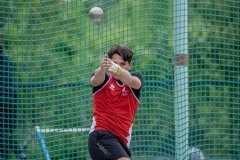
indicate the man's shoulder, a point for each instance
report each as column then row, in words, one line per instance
column 138, row 74
column 96, row 88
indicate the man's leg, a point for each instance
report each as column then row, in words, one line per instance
column 105, row 145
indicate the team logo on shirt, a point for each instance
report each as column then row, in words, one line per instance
column 112, row 87
column 124, row 92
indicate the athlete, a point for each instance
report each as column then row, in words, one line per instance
column 115, row 102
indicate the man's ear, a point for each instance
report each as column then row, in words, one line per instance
column 130, row 64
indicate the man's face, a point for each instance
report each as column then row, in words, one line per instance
column 123, row 64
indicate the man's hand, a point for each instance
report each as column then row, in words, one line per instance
column 105, row 62
column 108, row 64
column 99, row 74
column 115, row 68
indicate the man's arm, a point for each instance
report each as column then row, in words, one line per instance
column 99, row 74
column 124, row 76
column 99, row 77
column 130, row 80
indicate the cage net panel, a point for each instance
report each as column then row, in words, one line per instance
column 50, row 48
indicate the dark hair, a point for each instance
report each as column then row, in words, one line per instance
column 122, row 51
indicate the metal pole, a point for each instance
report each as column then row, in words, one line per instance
column 42, row 142
column 180, row 62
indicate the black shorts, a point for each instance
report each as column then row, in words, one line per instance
column 103, row 145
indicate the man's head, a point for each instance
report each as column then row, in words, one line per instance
column 122, row 51
column 122, row 56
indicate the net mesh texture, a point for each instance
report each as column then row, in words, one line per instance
column 50, row 48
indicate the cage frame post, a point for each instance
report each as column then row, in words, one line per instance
column 42, row 143
column 180, row 62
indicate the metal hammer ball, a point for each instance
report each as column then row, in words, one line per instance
column 96, row 14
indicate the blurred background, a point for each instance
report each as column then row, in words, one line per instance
column 55, row 48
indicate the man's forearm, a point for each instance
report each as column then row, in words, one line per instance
column 125, row 77
column 99, row 76
column 132, row 81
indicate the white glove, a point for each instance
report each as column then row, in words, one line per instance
column 115, row 68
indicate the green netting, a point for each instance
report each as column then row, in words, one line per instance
column 55, row 47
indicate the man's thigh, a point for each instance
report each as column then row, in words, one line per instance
column 104, row 145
